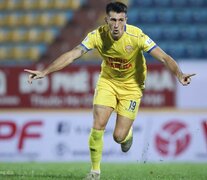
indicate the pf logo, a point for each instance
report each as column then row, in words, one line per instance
column 172, row 139
column 11, row 130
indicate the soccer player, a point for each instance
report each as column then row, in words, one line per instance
column 122, row 78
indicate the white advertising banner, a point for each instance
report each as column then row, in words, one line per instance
column 63, row 136
column 194, row 95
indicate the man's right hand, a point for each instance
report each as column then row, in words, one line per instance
column 34, row 75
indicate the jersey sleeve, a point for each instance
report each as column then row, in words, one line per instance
column 147, row 44
column 89, row 42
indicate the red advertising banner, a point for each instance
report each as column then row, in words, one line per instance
column 160, row 88
column 73, row 87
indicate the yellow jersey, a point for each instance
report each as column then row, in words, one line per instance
column 123, row 59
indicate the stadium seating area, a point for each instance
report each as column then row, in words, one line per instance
column 40, row 30
column 177, row 26
column 27, row 27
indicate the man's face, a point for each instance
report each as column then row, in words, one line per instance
column 116, row 23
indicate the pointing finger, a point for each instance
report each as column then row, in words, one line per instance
column 29, row 71
column 190, row 75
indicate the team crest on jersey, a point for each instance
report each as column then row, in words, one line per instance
column 129, row 48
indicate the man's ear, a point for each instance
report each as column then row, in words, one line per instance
column 126, row 19
column 106, row 20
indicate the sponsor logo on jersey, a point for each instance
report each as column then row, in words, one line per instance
column 118, row 63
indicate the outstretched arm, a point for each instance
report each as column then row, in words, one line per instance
column 171, row 64
column 58, row 64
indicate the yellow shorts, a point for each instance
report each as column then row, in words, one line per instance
column 125, row 98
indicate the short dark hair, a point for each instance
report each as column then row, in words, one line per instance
column 117, row 7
